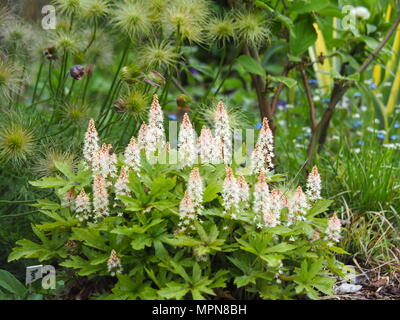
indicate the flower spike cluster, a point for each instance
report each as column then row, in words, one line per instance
column 195, row 189
column 230, row 192
column 314, row 185
column 223, row 134
column 83, row 206
column 298, row 206
column 333, row 229
column 187, row 143
column 272, row 212
column 142, row 136
column 104, row 162
column 155, row 136
column 263, row 154
column 100, row 198
column 132, row 156
column 244, row 194
column 121, row 185
column 114, row 265
column 261, row 195
column 91, row 143
column 187, row 213
column 235, row 192
column 207, row 145
column 68, row 200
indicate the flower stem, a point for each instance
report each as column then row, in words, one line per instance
column 220, row 66
column 37, row 82
column 85, row 89
column 93, row 36
column 106, row 112
column 110, row 91
column 229, row 69
column 62, row 77
column 71, row 89
column 50, row 74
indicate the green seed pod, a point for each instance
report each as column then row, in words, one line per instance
column 130, row 73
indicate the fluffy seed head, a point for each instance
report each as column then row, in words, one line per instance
column 16, row 143
column 134, row 102
column 130, row 73
column 68, row 7
column 45, row 163
column 186, row 18
column 221, row 30
column 237, row 118
column 132, row 18
column 74, row 113
column 95, row 9
column 10, row 77
column 157, row 9
column 159, row 55
column 65, row 41
column 5, row 16
column 252, row 28
column 18, row 38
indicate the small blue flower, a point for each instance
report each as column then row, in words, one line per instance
column 312, row 81
column 356, row 123
column 172, row 117
column 372, row 86
column 360, row 143
column 281, row 104
column 380, row 136
column 307, row 134
column 193, row 70
column 357, row 94
column 326, row 100
column 397, row 125
column 258, row 125
column 394, row 137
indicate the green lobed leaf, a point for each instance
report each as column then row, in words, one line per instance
column 289, row 82
column 305, row 36
column 251, row 65
column 49, row 182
